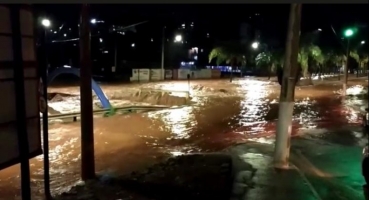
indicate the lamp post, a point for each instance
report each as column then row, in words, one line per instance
column 348, row 34
column 45, row 122
column 162, row 74
column 46, row 24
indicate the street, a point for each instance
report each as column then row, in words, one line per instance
column 219, row 116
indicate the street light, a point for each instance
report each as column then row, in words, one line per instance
column 349, row 33
column 46, row 23
column 93, row 21
column 255, row 45
column 178, row 38
column 363, row 42
column 319, row 29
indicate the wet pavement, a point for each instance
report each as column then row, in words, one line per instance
column 221, row 114
column 255, row 177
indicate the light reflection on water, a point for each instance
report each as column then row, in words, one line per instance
column 179, row 121
column 222, row 114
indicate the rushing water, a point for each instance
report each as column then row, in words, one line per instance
column 221, row 114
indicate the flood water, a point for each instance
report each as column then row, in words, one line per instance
column 221, row 114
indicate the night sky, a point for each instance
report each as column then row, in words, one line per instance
column 313, row 15
column 217, row 19
column 275, row 16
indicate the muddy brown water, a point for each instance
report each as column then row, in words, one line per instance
column 221, row 114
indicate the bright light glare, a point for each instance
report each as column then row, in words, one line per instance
column 93, row 21
column 178, row 38
column 133, row 45
column 363, row 42
column 46, row 22
column 255, row 45
column 319, row 29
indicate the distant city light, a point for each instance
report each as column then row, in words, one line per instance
column 65, row 35
column 93, row 21
column 46, row 22
column 55, row 32
column 152, row 40
column 363, row 42
column 319, row 29
column 133, row 45
column 101, row 40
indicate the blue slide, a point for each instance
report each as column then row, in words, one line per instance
column 95, row 87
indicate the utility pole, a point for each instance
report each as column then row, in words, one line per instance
column 162, row 76
column 87, row 130
column 348, row 34
column 287, row 94
column 345, row 68
column 20, row 104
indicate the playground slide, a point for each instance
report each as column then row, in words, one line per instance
column 95, row 87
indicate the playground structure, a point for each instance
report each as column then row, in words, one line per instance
column 107, row 108
column 95, row 87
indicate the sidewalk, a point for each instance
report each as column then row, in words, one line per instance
column 332, row 165
column 327, row 167
column 256, row 179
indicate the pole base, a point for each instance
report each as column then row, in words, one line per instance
column 366, row 192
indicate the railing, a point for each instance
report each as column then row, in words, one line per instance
column 185, row 92
column 121, row 110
